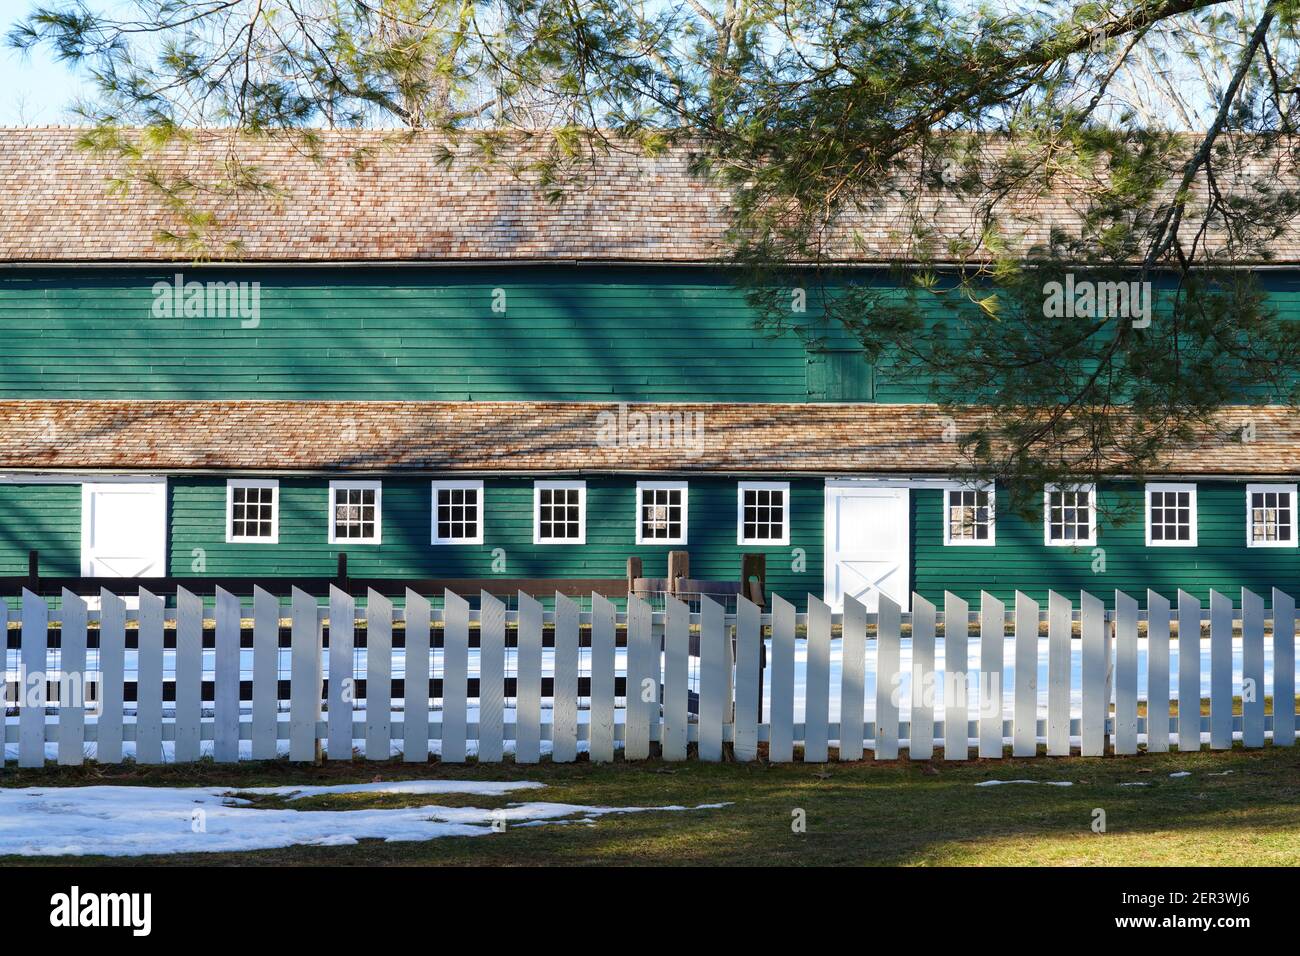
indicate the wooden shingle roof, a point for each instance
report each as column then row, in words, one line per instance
column 374, row 197
column 546, row 437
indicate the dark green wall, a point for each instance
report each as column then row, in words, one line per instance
column 1020, row 560
column 198, row 521
column 569, row 333
column 46, row 518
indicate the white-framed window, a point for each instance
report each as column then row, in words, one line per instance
column 356, row 512
column 457, row 512
column 1070, row 515
column 969, row 516
column 559, row 512
column 763, row 513
column 1270, row 516
column 252, row 511
column 661, row 508
column 1171, row 515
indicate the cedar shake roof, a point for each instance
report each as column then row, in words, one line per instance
column 373, row 196
column 536, row 437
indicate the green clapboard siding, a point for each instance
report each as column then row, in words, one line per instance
column 198, row 508
column 43, row 517
column 1020, row 560
column 567, row 333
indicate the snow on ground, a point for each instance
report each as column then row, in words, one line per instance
column 133, row 821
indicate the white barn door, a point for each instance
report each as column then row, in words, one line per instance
column 124, row 529
column 868, row 544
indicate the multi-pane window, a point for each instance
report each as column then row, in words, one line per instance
column 763, row 513
column 560, row 512
column 355, row 512
column 252, row 511
column 457, row 512
column 661, row 512
column 969, row 518
column 1270, row 516
column 1070, row 515
column 1171, row 515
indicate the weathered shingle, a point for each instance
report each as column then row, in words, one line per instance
column 372, row 197
column 534, row 437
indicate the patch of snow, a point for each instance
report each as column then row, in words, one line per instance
column 1181, row 773
column 1048, row 783
column 1222, row 774
column 133, row 821
column 1136, row 783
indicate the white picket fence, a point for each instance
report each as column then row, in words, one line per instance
column 324, row 708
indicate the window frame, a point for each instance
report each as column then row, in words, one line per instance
column 991, row 540
column 684, row 488
column 367, row 484
column 1091, row 540
column 466, row 484
column 231, row 485
column 1280, row 488
column 568, row 485
column 741, row 488
column 1194, row 511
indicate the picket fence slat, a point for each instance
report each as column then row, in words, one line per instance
column 713, row 677
column 1252, row 670
column 528, row 693
column 455, row 677
column 112, row 676
column 781, row 733
column 1124, row 740
column 1158, row 616
column 1189, row 672
column 379, row 676
column 1059, row 628
column 749, row 640
column 888, row 672
column 677, row 640
column 920, row 745
column 956, row 641
column 853, row 698
column 342, row 675
column 604, row 664
column 149, row 684
column 636, row 742
column 72, row 668
column 817, row 683
column 992, row 639
column 304, row 677
column 492, row 678
column 266, row 665
column 189, row 675
column 1092, row 630
column 225, row 676
column 564, row 722
column 1024, row 735
column 33, row 653
column 1220, row 671
column 1284, row 723
column 415, row 700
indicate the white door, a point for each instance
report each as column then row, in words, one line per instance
column 867, row 544
column 124, row 529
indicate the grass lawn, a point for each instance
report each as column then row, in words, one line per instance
column 857, row 813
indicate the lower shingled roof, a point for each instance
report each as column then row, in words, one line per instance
column 529, row 437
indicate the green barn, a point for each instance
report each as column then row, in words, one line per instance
column 439, row 373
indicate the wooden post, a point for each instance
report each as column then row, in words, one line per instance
column 342, row 574
column 34, row 571
column 754, row 566
column 679, row 566
column 633, row 572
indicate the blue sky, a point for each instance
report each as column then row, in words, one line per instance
column 37, row 90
